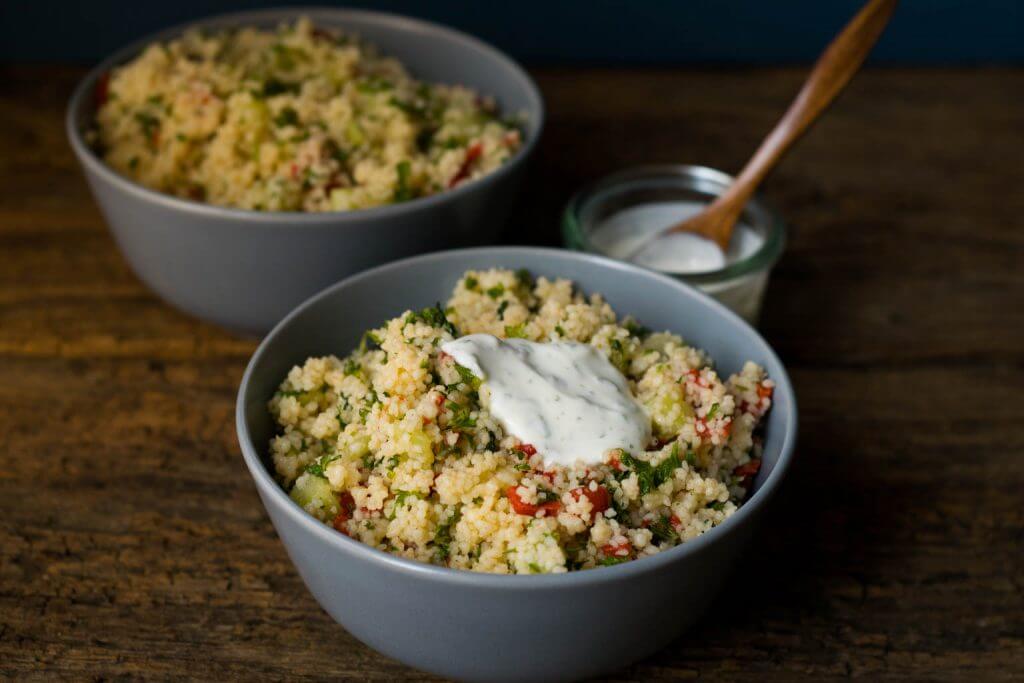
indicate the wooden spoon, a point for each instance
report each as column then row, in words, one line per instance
column 833, row 71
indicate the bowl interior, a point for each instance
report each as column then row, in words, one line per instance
column 333, row 322
column 431, row 52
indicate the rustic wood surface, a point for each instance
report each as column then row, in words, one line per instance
column 132, row 543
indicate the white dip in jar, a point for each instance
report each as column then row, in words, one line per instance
column 622, row 215
column 631, row 234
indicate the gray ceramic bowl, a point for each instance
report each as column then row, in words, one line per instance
column 482, row 627
column 246, row 269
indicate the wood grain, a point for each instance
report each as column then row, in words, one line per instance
column 132, row 544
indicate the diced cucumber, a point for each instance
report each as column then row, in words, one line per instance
column 314, row 494
column 421, row 448
column 359, row 445
column 669, row 410
column 354, row 134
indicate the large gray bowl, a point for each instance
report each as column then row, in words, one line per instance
column 482, row 627
column 246, row 269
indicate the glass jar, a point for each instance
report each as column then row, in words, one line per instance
column 740, row 284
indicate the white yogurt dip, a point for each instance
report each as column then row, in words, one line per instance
column 627, row 235
column 565, row 399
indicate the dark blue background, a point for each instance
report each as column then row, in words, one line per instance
column 576, row 31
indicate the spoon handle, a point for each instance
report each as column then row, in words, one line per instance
column 833, row 70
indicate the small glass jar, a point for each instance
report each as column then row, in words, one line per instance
column 740, row 284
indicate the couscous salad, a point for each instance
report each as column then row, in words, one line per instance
column 405, row 448
column 294, row 119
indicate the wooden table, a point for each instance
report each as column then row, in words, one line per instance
column 132, row 543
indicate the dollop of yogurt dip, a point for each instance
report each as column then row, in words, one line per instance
column 563, row 398
column 627, row 235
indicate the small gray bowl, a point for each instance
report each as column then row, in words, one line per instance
column 483, row 627
column 245, row 269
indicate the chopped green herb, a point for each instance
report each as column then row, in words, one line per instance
column 650, row 477
column 423, row 139
column 413, row 109
column 403, row 192
column 546, row 496
column 368, row 338
column 335, row 152
column 621, row 510
column 284, row 56
column 461, row 417
column 501, row 309
column 454, row 449
column 443, row 536
column 496, row 291
column 149, row 124
column 400, row 497
column 373, row 84
column 561, row 331
column 318, row 466
column 609, row 561
column 352, row 367
column 287, row 117
column 717, row 505
column 516, row 331
column 453, row 143
column 524, row 277
column 635, row 329
column 664, row 470
column 536, row 568
column 371, row 398
column 273, row 86
column 471, row 283
column 663, row 531
column 618, row 353
column 712, row 411
column 466, row 377
column 492, row 442
column 435, row 317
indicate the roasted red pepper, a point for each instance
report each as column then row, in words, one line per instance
column 472, row 154
column 618, row 550
column 347, row 504
column 526, row 449
column 600, row 499
column 102, row 89
column 523, row 508
column 748, row 469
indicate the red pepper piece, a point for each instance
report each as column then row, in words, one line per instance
column 523, row 508
column 600, row 499
column 348, row 504
column 472, row 154
column 749, row 469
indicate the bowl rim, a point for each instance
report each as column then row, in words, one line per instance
column 392, row 21
column 272, row 493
